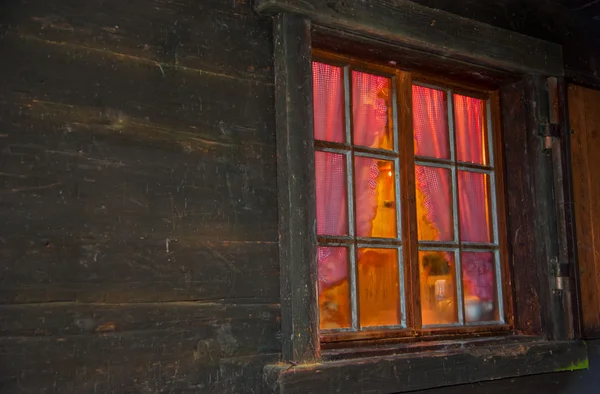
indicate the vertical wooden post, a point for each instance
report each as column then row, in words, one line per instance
column 546, row 216
column 533, row 218
column 296, row 189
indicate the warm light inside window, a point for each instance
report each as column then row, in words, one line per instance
column 361, row 274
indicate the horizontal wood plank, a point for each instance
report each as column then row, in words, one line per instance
column 248, row 328
column 145, row 362
column 225, row 38
column 408, row 372
column 123, row 180
column 406, row 23
column 48, row 268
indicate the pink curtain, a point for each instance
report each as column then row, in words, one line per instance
column 370, row 122
column 478, row 268
column 431, row 139
column 370, row 117
column 330, row 171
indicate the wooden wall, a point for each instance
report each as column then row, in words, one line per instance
column 137, row 197
column 584, row 109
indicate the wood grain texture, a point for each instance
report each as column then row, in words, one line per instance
column 215, row 36
column 520, row 206
column 142, row 362
column 106, row 199
column 137, row 177
column 584, row 106
column 296, row 186
column 407, row 23
column 403, row 373
column 583, row 381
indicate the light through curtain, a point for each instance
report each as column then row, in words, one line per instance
column 432, row 140
column 330, row 171
column 475, row 226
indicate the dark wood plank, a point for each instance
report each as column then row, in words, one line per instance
column 520, row 204
column 403, row 373
column 296, row 185
column 141, row 362
column 47, row 267
column 131, row 184
column 409, row 59
column 406, row 23
column 581, row 381
column 222, row 37
column 545, row 219
column 135, row 96
column 533, row 223
column 230, row 329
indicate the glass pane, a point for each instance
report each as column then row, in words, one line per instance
column 328, row 102
column 334, row 288
column 473, row 199
column 332, row 195
column 371, row 111
column 375, row 197
column 434, row 204
column 469, row 120
column 438, row 287
column 430, row 122
column 479, row 286
column 378, row 289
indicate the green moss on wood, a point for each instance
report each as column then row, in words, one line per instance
column 582, row 364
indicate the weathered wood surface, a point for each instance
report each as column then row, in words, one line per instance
column 577, row 32
column 442, row 33
column 138, row 196
column 139, row 242
column 577, row 382
column 141, row 178
column 296, row 185
column 520, row 209
column 584, row 109
column 200, row 347
column 409, row 372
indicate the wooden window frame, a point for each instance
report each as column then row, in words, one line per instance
column 431, row 41
column 403, row 153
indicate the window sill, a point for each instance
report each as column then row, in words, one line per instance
column 459, row 364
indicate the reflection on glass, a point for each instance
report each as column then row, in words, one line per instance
column 378, row 287
column 473, row 199
column 469, row 116
column 479, row 286
column 332, row 209
column 430, row 122
column 371, row 111
column 334, row 289
column 328, row 102
column 375, row 197
column 438, row 290
column 434, row 204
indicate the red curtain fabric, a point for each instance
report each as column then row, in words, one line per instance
column 330, row 172
column 370, row 122
column 431, row 139
column 370, row 118
column 478, row 268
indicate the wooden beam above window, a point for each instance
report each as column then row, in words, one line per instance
column 405, row 23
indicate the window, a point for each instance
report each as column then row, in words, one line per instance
column 377, row 175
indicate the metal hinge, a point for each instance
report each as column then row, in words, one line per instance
column 549, row 132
